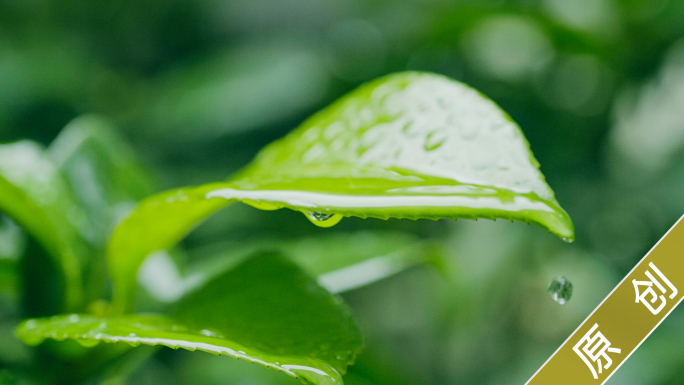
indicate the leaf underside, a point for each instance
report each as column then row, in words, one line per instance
column 266, row 311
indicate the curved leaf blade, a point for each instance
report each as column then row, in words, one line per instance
column 34, row 194
column 266, row 311
column 158, row 223
column 409, row 145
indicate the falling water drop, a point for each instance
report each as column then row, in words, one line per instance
column 560, row 289
column 322, row 219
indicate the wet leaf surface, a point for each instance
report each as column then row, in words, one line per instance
column 266, row 311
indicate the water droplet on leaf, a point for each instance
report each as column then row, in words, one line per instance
column 434, row 140
column 322, row 219
column 560, row 289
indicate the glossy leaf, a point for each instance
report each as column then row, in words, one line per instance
column 409, row 145
column 34, row 194
column 266, row 311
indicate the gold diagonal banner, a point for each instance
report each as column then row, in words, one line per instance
column 630, row 313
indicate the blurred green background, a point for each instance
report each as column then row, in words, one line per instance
column 198, row 87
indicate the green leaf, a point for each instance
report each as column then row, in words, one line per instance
column 158, row 223
column 107, row 180
column 106, row 176
column 266, row 311
column 409, row 145
column 34, row 194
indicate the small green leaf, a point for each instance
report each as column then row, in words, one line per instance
column 107, row 180
column 106, row 176
column 158, row 223
column 266, row 311
column 409, row 145
column 34, row 194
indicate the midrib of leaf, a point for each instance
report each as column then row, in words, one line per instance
column 411, row 197
column 157, row 330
